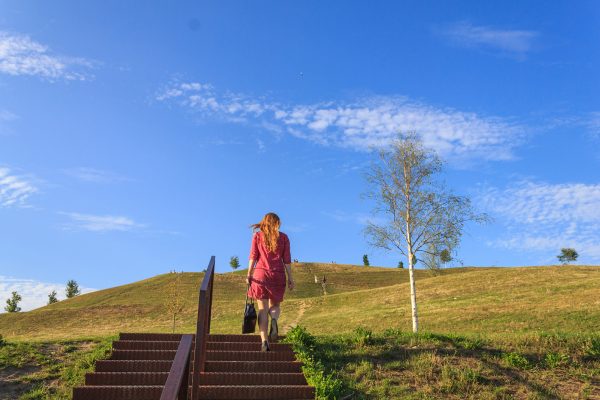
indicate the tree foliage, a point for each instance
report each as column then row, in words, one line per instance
column 72, row 289
column 12, row 304
column 366, row 260
column 567, row 255
column 234, row 262
column 52, row 298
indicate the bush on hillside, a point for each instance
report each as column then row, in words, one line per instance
column 567, row 255
column 362, row 336
column 72, row 289
column 516, row 360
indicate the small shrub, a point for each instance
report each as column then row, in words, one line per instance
column 471, row 343
column 554, row 360
column 458, row 380
column 362, row 336
column 516, row 360
column 593, row 347
column 327, row 385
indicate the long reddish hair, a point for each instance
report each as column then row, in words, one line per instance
column 269, row 226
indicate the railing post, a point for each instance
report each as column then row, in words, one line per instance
column 176, row 385
column 202, row 327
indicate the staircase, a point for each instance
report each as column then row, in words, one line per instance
column 158, row 366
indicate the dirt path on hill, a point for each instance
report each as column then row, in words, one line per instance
column 296, row 320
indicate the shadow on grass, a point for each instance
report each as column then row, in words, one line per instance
column 339, row 351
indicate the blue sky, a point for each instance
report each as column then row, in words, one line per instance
column 138, row 138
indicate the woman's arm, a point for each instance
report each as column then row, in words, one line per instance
column 290, row 278
column 251, row 265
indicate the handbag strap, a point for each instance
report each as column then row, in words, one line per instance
column 251, row 299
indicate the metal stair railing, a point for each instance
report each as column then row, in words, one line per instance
column 202, row 326
column 176, row 386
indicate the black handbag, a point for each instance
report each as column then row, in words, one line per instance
column 249, row 324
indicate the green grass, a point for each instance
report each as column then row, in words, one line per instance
column 489, row 333
column 396, row 364
column 466, row 300
column 48, row 370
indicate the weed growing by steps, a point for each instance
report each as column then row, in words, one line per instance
column 50, row 370
column 327, row 385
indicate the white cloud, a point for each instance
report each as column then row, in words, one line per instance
column 514, row 42
column 34, row 293
column 7, row 116
column 593, row 123
column 261, row 146
column 359, row 124
column 100, row 223
column 20, row 55
column 14, row 190
column 356, row 217
column 547, row 217
column 94, row 175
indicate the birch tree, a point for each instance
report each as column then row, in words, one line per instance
column 420, row 217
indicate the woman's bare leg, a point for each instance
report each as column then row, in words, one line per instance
column 263, row 319
column 274, row 309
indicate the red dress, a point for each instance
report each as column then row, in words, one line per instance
column 268, row 279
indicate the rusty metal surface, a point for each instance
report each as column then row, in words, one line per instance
column 117, row 392
column 257, row 392
column 253, row 366
column 202, row 326
column 178, row 375
column 133, row 366
column 252, row 378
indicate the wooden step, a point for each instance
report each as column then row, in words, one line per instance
column 125, row 378
column 253, row 366
column 143, row 355
column 249, row 356
column 251, row 378
column 117, row 392
column 246, row 346
column 177, row 337
column 247, row 392
column 151, row 336
column 145, row 345
column 133, row 365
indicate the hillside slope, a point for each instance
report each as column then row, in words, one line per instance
column 467, row 300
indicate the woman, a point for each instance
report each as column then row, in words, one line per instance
column 269, row 261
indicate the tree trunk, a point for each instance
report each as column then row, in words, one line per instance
column 413, row 293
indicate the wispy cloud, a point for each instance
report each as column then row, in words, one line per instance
column 5, row 118
column 358, row 124
column 14, row 189
column 100, row 223
column 34, row 293
column 546, row 217
column 506, row 41
column 94, row 175
column 593, row 123
column 21, row 55
column 261, row 146
column 355, row 217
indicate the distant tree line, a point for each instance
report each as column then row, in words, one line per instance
column 71, row 290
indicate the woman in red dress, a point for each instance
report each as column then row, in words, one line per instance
column 269, row 261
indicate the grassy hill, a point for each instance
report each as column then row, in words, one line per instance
column 468, row 300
